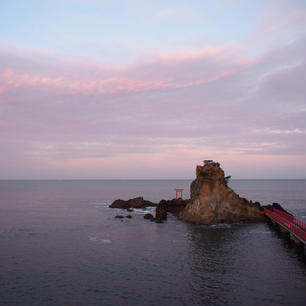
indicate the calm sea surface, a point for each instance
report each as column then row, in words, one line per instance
column 61, row 245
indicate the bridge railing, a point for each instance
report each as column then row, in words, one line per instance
column 298, row 222
column 291, row 226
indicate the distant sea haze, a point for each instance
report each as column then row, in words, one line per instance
column 61, row 245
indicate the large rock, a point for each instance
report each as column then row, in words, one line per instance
column 213, row 202
column 173, row 206
column 138, row 202
column 160, row 213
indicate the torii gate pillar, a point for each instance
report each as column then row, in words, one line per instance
column 177, row 192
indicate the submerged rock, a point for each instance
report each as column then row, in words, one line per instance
column 148, row 216
column 138, row 202
column 119, row 217
column 213, row 202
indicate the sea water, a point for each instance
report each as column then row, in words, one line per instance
column 61, row 245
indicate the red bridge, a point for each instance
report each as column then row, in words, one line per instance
column 288, row 224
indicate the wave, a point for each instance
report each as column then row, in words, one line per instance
column 98, row 239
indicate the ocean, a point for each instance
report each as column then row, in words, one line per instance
column 61, row 245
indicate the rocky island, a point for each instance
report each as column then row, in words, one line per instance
column 213, row 202
column 138, row 202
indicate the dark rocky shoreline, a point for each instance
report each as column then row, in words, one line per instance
column 174, row 206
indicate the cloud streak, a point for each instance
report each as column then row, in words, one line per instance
column 165, row 72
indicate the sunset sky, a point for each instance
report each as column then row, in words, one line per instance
column 148, row 89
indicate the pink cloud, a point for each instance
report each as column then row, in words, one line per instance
column 128, row 79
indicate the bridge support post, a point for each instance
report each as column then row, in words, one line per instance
column 284, row 231
column 298, row 242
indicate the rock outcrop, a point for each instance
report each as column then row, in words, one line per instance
column 173, row 206
column 148, row 216
column 160, row 213
column 213, row 202
column 277, row 206
column 138, row 202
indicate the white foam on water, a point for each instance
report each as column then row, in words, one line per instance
column 144, row 211
column 97, row 238
column 105, row 241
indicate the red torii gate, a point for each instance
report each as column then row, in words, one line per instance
column 179, row 191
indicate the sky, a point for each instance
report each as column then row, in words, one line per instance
column 117, row 89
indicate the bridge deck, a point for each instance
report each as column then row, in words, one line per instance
column 295, row 226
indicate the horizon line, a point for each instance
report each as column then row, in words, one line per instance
column 146, row 179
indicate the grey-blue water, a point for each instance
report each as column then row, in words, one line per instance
column 61, row 245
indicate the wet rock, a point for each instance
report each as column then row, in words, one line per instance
column 119, row 217
column 160, row 213
column 138, row 202
column 148, row 216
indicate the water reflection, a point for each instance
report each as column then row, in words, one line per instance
column 230, row 265
column 212, row 263
column 289, row 244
